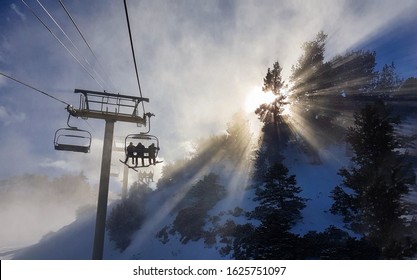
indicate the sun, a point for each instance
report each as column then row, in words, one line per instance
column 257, row 97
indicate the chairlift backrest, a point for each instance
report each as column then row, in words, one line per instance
column 72, row 140
column 145, row 139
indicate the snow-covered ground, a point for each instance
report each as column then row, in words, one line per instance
column 317, row 181
column 74, row 241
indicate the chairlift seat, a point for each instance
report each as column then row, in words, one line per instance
column 72, row 140
column 72, row 148
column 147, row 139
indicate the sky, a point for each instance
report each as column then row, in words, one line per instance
column 198, row 61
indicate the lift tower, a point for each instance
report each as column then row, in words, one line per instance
column 111, row 108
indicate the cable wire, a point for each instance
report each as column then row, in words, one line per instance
column 88, row 45
column 69, row 39
column 53, row 34
column 133, row 54
column 69, row 106
column 32, row 87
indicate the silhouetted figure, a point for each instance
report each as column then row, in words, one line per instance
column 152, row 154
column 150, row 176
column 140, row 153
column 142, row 176
column 130, row 153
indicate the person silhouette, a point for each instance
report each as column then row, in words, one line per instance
column 140, row 153
column 141, row 176
column 130, row 153
column 152, row 154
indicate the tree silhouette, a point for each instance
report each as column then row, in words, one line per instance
column 308, row 75
column 278, row 210
column 370, row 199
column 271, row 114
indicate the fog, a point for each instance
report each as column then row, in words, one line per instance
column 198, row 62
column 33, row 205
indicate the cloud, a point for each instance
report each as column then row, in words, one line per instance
column 3, row 80
column 17, row 11
column 197, row 63
column 7, row 118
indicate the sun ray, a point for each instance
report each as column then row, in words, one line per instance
column 257, row 97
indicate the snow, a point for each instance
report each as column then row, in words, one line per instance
column 317, row 181
column 74, row 241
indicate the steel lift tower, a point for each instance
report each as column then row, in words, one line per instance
column 111, row 108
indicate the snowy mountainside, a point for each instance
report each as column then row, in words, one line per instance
column 317, row 181
column 159, row 238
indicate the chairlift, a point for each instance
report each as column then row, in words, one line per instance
column 72, row 139
column 139, row 148
column 146, row 175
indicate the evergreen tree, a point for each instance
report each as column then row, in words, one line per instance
column 278, row 198
column 387, row 81
column 407, row 89
column 279, row 209
column 336, row 244
column 354, row 72
column 127, row 216
column 311, row 84
column 202, row 196
column 370, row 199
column 271, row 114
column 309, row 74
column 317, row 87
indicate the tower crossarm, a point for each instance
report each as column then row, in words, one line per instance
column 109, row 106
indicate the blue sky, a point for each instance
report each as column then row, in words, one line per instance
column 197, row 60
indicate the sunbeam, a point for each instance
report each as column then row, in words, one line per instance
column 256, row 97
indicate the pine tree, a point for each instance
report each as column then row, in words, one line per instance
column 370, row 198
column 310, row 82
column 278, row 198
column 127, row 216
column 271, row 114
column 387, row 81
column 202, row 196
column 279, row 209
column 353, row 72
column 309, row 74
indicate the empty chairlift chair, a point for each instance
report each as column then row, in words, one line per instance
column 72, row 139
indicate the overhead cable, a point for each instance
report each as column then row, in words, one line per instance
column 69, row 39
column 62, row 44
column 32, row 87
column 133, row 53
column 88, row 45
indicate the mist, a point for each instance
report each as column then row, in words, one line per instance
column 33, row 205
column 198, row 62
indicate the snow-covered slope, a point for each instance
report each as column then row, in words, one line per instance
column 74, row 241
column 317, row 181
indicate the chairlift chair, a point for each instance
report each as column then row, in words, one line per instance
column 72, row 139
column 146, row 175
column 146, row 140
